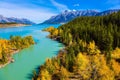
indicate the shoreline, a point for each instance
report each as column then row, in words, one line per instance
column 10, row 59
column 12, row 25
column 13, row 50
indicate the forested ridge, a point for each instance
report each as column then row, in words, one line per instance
column 92, row 50
column 8, row 47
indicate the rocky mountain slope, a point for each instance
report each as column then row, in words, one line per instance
column 69, row 15
column 15, row 20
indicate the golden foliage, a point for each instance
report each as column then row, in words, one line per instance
column 49, row 29
column 116, row 53
column 116, row 67
column 49, row 66
column 7, row 47
column 44, row 75
column 0, row 53
column 81, row 66
column 4, row 46
column 83, row 43
column 52, row 66
column 88, row 64
column 92, row 48
column 100, row 69
column 64, row 74
column 53, row 31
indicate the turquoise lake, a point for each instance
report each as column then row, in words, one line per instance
column 30, row 58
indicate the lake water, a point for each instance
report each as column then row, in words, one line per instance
column 30, row 58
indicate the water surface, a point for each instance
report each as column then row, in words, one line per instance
column 30, row 58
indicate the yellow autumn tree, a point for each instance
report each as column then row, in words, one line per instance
column 55, row 32
column 83, row 43
column 116, row 53
column 44, row 75
column 92, row 48
column 49, row 66
column 51, row 28
column 63, row 74
column 4, row 46
column 57, row 67
column 116, row 67
column 100, row 70
column 0, row 53
column 82, row 66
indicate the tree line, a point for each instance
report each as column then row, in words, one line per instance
column 7, row 47
column 92, row 50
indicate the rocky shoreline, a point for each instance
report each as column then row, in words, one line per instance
column 10, row 59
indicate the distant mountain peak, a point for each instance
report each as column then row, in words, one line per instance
column 15, row 20
column 108, row 12
column 69, row 15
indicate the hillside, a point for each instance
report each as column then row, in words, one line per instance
column 92, row 50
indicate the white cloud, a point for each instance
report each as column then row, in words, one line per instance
column 76, row 5
column 59, row 6
column 37, row 15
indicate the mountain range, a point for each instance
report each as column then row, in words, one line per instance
column 69, row 15
column 15, row 20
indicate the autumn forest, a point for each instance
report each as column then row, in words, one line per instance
column 92, row 50
column 8, row 47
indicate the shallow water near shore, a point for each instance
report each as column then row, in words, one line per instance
column 30, row 58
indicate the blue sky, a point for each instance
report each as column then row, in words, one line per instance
column 40, row 10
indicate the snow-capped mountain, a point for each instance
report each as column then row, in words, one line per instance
column 16, row 20
column 107, row 12
column 69, row 15
column 3, row 19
